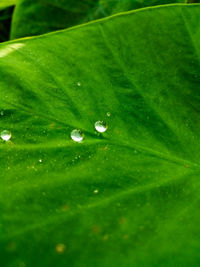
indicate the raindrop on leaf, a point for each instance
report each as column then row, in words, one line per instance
column 100, row 126
column 108, row 114
column 77, row 135
column 5, row 135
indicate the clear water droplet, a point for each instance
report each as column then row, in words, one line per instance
column 79, row 83
column 1, row 113
column 77, row 135
column 5, row 135
column 108, row 114
column 100, row 126
column 40, row 160
column 96, row 191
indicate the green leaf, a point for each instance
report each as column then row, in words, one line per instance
column 129, row 196
column 33, row 17
column 7, row 3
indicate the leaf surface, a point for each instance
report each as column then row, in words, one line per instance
column 127, row 197
column 33, row 17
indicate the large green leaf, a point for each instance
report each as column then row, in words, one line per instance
column 130, row 196
column 32, row 17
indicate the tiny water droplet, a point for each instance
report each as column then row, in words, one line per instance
column 77, row 135
column 40, row 160
column 100, row 126
column 96, row 191
column 1, row 113
column 5, row 135
column 108, row 114
column 79, row 83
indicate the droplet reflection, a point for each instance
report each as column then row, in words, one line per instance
column 77, row 135
column 100, row 126
column 6, row 135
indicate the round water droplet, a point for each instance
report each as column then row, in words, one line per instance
column 1, row 113
column 77, row 135
column 5, row 135
column 79, row 83
column 100, row 126
column 40, row 160
column 108, row 114
column 96, row 191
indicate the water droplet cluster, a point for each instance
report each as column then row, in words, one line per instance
column 78, row 136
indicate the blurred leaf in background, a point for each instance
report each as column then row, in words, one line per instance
column 33, row 17
column 5, row 23
column 6, row 11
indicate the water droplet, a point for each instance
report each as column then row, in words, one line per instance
column 1, row 113
column 77, row 135
column 96, row 191
column 79, row 84
column 108, row 114
column 100, row 126
column 5, row 135
column 40, row 160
